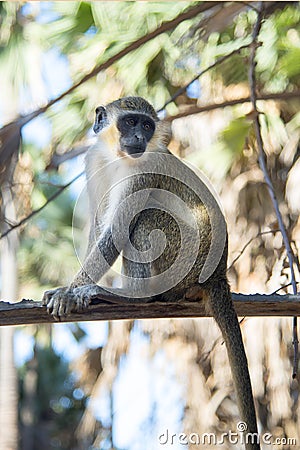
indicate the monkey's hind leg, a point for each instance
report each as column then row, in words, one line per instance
column 220, row 305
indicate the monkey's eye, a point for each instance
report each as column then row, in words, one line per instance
column 147, row 126
column 130, row 122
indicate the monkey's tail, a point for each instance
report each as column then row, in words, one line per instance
column 221, row 307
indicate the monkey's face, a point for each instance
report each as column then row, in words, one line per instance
column 124, row 131
column 136, row 130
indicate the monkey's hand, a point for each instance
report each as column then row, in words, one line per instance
column 62, row 301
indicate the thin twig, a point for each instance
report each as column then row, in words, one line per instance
column 36, row 211
column 264, row 168
column 282, row 287
column 216, row 63
column 248, row 243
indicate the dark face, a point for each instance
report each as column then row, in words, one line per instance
column 136, row 130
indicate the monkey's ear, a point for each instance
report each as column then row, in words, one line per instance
column 100, row 120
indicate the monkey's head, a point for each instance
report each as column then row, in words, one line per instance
column 129, row 126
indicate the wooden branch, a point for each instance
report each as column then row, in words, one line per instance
column 236, row 101
column 57, row 159
column 113, row 307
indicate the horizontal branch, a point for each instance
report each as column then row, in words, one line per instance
column 236, row 101
column 59, row 158
column 114, row 307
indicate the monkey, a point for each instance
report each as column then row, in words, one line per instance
column 135, row 210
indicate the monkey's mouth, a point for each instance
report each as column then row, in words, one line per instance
column 134, row 151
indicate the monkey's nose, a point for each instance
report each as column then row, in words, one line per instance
column 139, row 137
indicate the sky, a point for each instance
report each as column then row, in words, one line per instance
column 38, row 131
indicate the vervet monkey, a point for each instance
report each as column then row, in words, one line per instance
column 145, row 205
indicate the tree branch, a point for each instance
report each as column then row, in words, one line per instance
column 263, row 164
column 233, row 102
column 36, row 211
column 59, row 158
column 114, row 307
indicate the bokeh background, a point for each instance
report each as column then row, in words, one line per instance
column 120, row 385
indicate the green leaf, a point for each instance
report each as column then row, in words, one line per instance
column 235, row 134
column 290, row 63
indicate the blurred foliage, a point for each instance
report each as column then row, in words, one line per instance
column 85, row 34
column 234, row 136
column 56, row 401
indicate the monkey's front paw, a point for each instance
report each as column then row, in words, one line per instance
column 60, row 302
